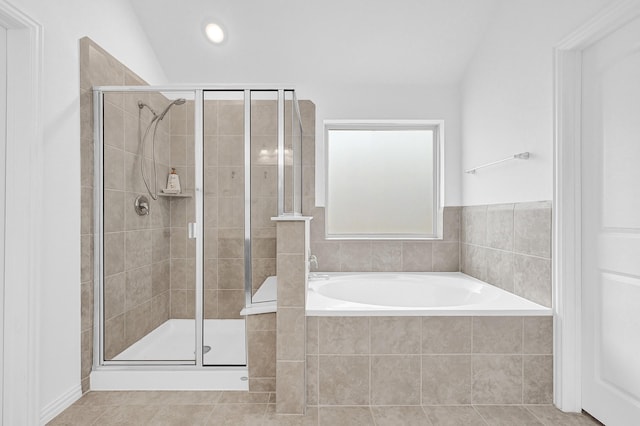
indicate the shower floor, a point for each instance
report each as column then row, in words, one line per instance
column 174, row 340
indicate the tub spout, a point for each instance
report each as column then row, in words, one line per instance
column 316, row 276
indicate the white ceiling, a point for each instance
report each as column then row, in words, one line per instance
column 344, row 42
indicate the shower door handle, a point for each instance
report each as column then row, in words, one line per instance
column 192, row 231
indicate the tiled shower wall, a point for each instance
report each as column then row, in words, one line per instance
column 137, row 297
column 509, row 246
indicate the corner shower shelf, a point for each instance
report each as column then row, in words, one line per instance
column 181, row 195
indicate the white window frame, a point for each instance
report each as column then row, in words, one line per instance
column 437, row 126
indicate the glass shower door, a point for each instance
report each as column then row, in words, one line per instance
column 225, row 224
column 148, row 272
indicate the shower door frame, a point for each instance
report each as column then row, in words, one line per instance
column 99, row 363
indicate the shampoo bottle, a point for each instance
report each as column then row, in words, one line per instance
column 173, row 181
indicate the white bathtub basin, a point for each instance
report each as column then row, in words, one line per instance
column 417, row 293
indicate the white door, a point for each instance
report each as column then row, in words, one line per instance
column 611, row 227
column 3, row 145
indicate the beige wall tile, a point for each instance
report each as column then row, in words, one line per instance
column 537, row 387
column 500, row 226
column 328, row 255
column 532, row 278
column 291, row 279
column 160, row 309
column 532, row 224
column 87, row 259
column 343, row 380
column 395, row 380
column 86, row 162
column 474, row 225
column 386, row 256
column 451, row 223
column 538, row 335
column 231, row 181
column 355, row 256
column 395, row 335
column 446, row 256
column 114, row 211
column 138, row 287
column 114, row 291
column 114, row 336
column 290, row 387
column 473, row 261
column 137, row 249
column 262, row 384
column 343, row 335
column 417, row 256
column 497, row 335
column 446, row 379
column 291, row 334
column 86, row 211
column 261, row 322
column 230, row 118
column 137, row 322
column 114, row 168
column 312, row 336
column 86, row 306
column 231, row 274
column 179, row 304
column 290, row 237
column 497, row 379
column 262, row 353
column 312, row 379
column 500, row 269
column 160, row 245
column 113, row 253
column 446, row 335
column 230, row 303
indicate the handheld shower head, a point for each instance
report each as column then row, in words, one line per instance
column 178, row 101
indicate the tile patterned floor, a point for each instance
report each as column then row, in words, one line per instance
column 188, row 408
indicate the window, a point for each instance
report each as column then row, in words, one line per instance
column 383, row 179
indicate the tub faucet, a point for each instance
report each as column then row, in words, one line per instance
column 313, row 261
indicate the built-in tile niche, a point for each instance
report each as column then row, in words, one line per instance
column 509, row 246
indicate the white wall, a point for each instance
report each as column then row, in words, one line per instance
column 113, row 25
column 393, row 101
column 507, row 99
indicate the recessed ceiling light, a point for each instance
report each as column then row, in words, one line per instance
column 215, row 33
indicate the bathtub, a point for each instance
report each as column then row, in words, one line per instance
column 412, row 294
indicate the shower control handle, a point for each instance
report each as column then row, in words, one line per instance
column 192, row 231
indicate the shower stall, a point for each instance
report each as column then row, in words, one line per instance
column 187, row 180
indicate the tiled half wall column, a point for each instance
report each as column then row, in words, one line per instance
column 292, row 271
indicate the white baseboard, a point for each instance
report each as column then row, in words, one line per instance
column 60, row 404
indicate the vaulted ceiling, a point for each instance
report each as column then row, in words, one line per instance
column 343, row 42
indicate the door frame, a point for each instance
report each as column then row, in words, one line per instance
column 23, row 194
column 567, row 238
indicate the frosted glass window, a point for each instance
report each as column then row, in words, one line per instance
column 382, row 183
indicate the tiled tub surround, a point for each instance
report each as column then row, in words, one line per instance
column 386, row 255
column 293, row 252
column 509, row 246
column 428, row 360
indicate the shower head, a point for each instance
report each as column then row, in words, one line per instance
column 178, row 101
column 142, row 105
